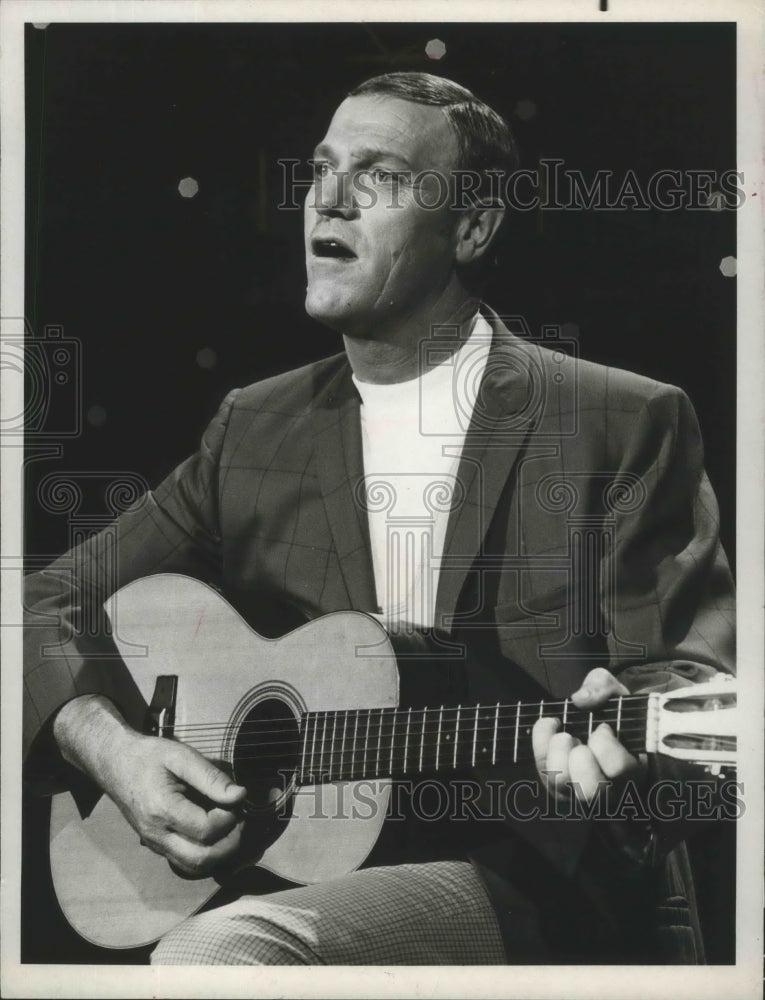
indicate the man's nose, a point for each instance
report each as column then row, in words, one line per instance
column 334, row 195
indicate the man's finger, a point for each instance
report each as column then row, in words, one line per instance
column 587, row 779
column 219, row 823
column 195, row 823
column 197, row 860
column 597, row 687
column 614, row 760
column 557, row 773
column 192, row 768
column 542, row 732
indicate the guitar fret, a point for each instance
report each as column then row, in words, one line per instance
column 366, row 742
column 305, row 747
column 342, row 746
column 494, row 741
column 517, row 726
column 392, row 737
column 475, row 733
column 332, row 745
column 323, row 736
column 457, row 734
column 422, row 735
column 313, row 744
column 379, row 743
column 406, row 741
column 354, row 751
column 438, row 737
column 589, row 728
column 565, row 713
column 619, row 716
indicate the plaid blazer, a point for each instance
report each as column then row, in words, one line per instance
column 583, row 532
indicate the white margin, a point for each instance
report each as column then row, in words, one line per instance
column 587, row 982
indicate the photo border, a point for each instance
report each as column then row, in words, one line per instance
column 741, row 980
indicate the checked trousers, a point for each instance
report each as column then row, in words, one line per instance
column 434, row 913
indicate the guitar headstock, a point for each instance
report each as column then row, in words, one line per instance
column 697, row 724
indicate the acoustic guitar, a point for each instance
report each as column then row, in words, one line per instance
column 310, row 724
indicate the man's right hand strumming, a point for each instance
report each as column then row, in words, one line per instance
column 158, row 785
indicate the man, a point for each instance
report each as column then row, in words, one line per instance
column 282, row 501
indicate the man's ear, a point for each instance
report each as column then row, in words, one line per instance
column 476, row 230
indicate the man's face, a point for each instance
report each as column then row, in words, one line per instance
column 375, row 255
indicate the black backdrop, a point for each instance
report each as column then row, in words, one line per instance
column 145, row 279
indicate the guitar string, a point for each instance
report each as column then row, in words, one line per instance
column 634, row 724
column 629, row 724
column 296, row 734
column 466, row 711
column 350, row 755
column 327, row 763
column 389, row 736
column 388, row 718
column 530, row 707
column 382, row 723
column 399, row 736
column 288, row 747
column 382, row 719
column 363, row 770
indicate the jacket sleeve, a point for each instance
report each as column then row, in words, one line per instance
column 67, row 648
column 672, row 588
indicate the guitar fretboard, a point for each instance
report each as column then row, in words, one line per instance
column 394, row 742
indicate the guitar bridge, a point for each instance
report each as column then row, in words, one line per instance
column 160, row 716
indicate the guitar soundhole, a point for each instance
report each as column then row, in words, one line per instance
column 265, row 755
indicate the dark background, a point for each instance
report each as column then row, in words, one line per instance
column 117, row 115
column 145, row 279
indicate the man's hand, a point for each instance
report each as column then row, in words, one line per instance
column 565, row 764
column 181, row 805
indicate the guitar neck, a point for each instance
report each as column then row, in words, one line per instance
column 395, row 743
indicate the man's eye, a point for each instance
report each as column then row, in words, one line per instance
column 320, row 168
column 380, row 176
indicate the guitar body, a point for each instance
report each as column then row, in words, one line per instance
column 310, row 724
column 118, row 894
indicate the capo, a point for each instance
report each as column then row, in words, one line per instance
column 160, row 715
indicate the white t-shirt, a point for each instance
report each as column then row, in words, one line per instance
column 412, row 437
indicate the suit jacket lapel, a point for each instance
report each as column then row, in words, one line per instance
column 502, row 420
column 501, row 423
column 340, row 468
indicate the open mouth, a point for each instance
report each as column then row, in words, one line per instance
column 332, row 248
